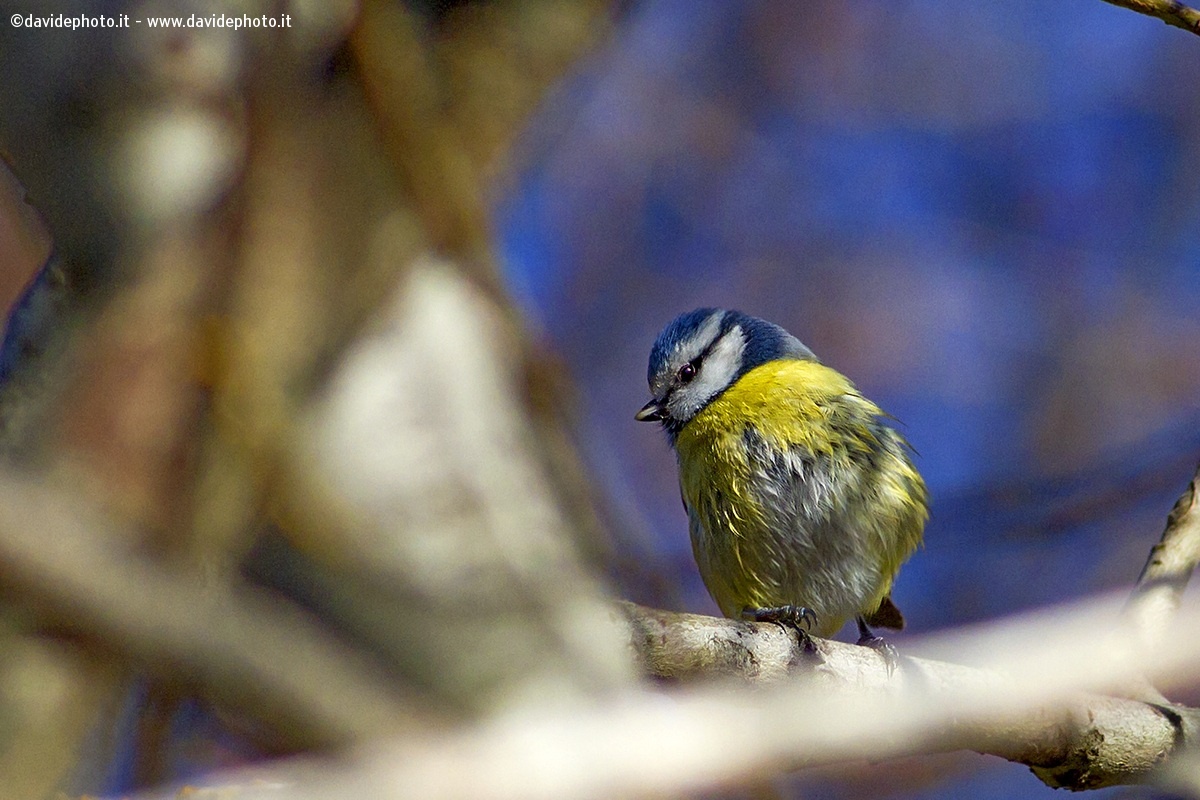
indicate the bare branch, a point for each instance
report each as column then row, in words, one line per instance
column 256, row 657
column 426, row 150
column 1082, row 742
column 650, row 744
column 1155, row 602
column 1169, row 11
column 442, row 504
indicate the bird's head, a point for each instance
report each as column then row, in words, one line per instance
column 702, row 353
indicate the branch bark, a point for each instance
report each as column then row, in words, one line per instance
column 1155, row 600
column 1169, row 11
column 720, row 734
column 1084, row 741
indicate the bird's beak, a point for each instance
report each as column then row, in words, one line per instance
column 651, row 412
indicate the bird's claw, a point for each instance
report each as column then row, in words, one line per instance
column 891, row 656
column 796, row 618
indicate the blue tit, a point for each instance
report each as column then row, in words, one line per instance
column 802, row 501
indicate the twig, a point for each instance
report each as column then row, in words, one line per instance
column 255, row 657
column 1169, row 11
column 1155, row 601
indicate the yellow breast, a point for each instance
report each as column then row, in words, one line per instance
column 797, row 494
column 787, row 401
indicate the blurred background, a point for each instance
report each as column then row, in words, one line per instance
column 984, row 215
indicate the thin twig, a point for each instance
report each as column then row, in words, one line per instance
column 1169, row 11
column 1155, row 601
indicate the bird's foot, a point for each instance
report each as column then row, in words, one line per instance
column 794, row 616
column 891, row 657
column 789, row 617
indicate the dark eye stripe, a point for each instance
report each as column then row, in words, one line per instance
column 695, row 362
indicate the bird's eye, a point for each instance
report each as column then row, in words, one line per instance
column 686, row 373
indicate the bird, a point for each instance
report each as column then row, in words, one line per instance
column 801, row 496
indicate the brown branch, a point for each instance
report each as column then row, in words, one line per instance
column 1169, row 11
column 251, row 656
column 391, row 54
column 1155, row 601
column 1084, row 741
column 499, row 60
column 847, row 708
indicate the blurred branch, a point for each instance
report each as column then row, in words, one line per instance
column 52, row 695
column 314, row 216
column 450, row 102
column 1155, row 601
column 1028, row 705
column 498, row 61
column 40, row 352
column 66, row 112
column 1171, row 12
column 124, row 163
column 254, row 657
column 439, row 505
column 426, row 150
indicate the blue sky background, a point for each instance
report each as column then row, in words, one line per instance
column 986, row 215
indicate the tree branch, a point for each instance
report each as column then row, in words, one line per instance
column 1155, row 601
column 1169, row 11
column 1036, row 702
column 256, row 658
column 1083, row 742
column 426, row 150
column 1028, row 707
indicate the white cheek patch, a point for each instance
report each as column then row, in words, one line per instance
column 716, row 372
